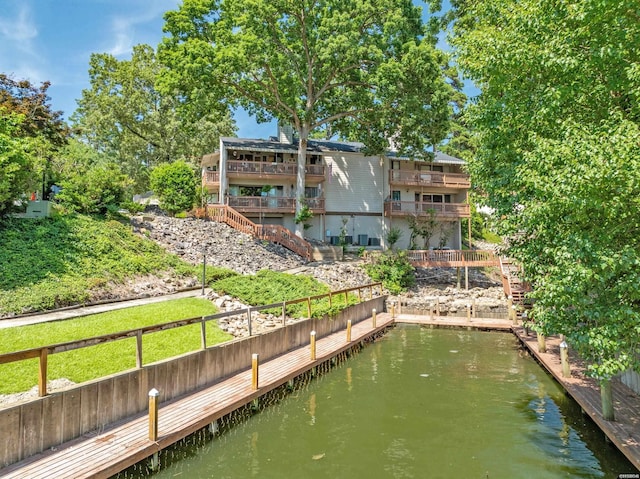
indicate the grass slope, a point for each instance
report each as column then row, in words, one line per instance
column 53, row 262
column 97, row 361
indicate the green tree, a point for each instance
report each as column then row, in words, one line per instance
column 90, row 182
column 367, row 71
column 557, row 123
column 126, row 115
column 175, row 184
column 21, row 97
column 16, row 159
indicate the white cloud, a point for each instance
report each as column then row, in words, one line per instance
column 20, row 29
column 126, row 28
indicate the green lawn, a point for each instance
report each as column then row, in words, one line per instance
column 97, row 361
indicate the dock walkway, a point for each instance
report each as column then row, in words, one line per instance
column 624, row 432
column 123, row 444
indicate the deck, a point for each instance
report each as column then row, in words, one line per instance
column 624, row 432
column 127, row 442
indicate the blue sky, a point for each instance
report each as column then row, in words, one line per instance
column 52, row 40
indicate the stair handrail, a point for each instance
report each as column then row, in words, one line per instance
column 273, row 233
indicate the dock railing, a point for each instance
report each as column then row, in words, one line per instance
column 42, row 353
column 453, row 258
column 35, row 425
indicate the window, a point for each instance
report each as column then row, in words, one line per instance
column 311, row 192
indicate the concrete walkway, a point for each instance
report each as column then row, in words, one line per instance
column 62, row 314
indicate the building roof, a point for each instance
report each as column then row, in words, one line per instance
column 319, row 146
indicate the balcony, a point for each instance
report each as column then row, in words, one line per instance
column 429, row 178
column 272, row 204
column 271, row 170
column 211, row 179
column 442, row 210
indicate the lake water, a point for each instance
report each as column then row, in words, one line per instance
column 418, row 403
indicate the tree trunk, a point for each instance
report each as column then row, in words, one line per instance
column 606, row 395
column 300, row 183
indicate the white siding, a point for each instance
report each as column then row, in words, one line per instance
column 354, row 184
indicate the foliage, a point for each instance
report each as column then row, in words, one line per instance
column 394, row 270
column 557, row 122
column 16, row 160
column 393, row 236
column 99, row 361
column 269, row 287
column 215, row 273
column 424, row 225
column 175, row 184
column 30, row 133
column 39, row 120
column 126, row 115
column 55, row 262
column 304, row 215
column 363, row 70
column 98, row 190
column 342, row 237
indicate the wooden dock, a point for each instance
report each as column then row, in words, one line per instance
column 125, row 443
column 456, row 322
column 624, row 432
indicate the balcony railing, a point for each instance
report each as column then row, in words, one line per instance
column 442, row 210
column 211, row 178
column 262, row 169
column 272, row 204
column 429, row 178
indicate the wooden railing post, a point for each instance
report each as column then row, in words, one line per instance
column 203, row 333
column 42, row 373
column 153, row 414
column 249, row 319
column 313, row 345
column 349, row 331
column 373, row 318
column 309, row 307
column 255, row 362
column 139, row 348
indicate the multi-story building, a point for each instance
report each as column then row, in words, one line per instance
column 353, row 197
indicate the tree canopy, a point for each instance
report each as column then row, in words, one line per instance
column 127, row 116
column 367, row 71
column 558, row 129
column 30, row 133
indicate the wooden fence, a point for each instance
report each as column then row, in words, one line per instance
column 34, row 426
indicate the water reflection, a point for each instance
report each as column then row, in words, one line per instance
column 409, row 406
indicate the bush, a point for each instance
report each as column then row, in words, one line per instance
column 175, row 185
column 394, row 271
column 98, row 190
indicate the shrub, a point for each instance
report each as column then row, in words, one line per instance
column 393, row 236
column 175, row 185
column 96, row 191
column 394, row 271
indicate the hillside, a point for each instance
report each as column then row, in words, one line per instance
column 66, row 260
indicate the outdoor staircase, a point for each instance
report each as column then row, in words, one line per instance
column 514, row 287
column 274, row 233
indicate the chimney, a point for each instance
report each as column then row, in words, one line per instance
column 285, row 133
